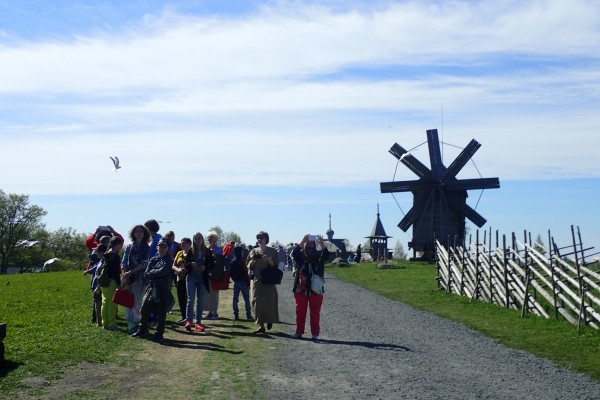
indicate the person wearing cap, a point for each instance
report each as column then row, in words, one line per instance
column 158, row 295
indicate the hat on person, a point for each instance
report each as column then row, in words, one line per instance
column 163, row 241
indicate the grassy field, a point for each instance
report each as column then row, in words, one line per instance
column 49, row 332
column 414, row 284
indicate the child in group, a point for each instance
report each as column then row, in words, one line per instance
column 96, row 261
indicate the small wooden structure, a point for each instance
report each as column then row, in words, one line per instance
column 378, row 240
column 439, row 204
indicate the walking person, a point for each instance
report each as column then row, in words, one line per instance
column 198, row 261
column 310, row 261
column 158, row 292
column 134, row 263
column 241, row 283
column 264, row 296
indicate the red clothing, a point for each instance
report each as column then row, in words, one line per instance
column 314, row 302
column 91, row 243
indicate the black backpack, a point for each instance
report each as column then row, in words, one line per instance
column 103, row 279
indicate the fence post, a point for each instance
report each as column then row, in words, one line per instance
column 505, row 265
column 527, row 278
column 551, row 247
column 582, row 313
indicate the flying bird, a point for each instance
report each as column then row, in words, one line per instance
column 403, row 156
column 50, row 261
column 116, row 163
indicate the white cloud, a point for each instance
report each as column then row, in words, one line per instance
column 297, row 94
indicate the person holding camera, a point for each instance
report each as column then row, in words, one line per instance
column 133, row 264
column 310, row 257
column 264, row 296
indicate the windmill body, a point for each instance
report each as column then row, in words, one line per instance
column 439, row 198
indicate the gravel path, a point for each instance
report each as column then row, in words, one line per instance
column 373, row 347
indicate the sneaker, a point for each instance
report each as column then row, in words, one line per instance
column 314, row 338
column 249, row 317
column 140, row 333
column 182, row 322
column 209, row 315
column 188, row 326
column 214, row 316
column 269, row 326
column 199, row 327
column 296, row 335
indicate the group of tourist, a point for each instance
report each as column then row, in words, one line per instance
column 150, row 264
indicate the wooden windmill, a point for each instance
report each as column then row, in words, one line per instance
column 439, row 205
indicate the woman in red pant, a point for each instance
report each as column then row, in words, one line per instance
column 310, row 256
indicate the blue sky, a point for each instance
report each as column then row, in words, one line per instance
column 270, row 115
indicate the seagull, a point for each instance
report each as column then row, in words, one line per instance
column 26, row 243
column 165, row 222
column 116, row 163
column 50, row 261
column 403, row 156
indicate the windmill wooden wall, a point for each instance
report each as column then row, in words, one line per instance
column 523, row 276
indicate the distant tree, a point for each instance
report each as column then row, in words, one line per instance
column 399, row 252
column 538, row 245
column 18, row 220
column 231, row 237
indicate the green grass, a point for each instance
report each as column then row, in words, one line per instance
column 48, row 327
column 414, row 284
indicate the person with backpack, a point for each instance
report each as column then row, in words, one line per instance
column 97, row 265
column 241, row 282
column 310, row 256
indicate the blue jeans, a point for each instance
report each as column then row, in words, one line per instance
column 196, row 290
column 241, row 286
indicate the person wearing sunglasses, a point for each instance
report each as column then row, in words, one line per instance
column 264, row 296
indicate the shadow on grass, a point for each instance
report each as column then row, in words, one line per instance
column 7, row 367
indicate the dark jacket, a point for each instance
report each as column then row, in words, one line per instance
column 303, row 262
column 209, row 264
column 112, row 263
column 158, row 275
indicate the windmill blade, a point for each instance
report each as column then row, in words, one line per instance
column 410, row 161
column 467, row 211
column 470, row 184
column 435, row 155
column 420, row 205
column 398, row 186
column 460, row 161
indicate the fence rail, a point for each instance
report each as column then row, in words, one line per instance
column 550, row 282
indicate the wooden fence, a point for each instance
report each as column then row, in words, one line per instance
column 551, row 282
